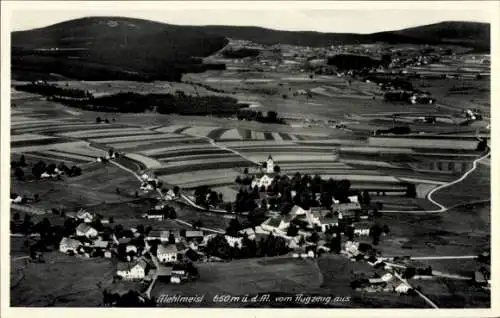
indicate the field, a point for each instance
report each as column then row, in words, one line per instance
column 63, row 281
column 250, row 276
column 95, row 185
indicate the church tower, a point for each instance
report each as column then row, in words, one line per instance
column 270, row 164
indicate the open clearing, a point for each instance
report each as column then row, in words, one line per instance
column 62, row 281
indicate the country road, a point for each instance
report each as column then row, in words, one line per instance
column 442, row 208
column 161, row 195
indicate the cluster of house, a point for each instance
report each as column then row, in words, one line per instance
column 386, row 278
column 143, row 262
column 149, row 182
column 57, row 173
column 111, row 155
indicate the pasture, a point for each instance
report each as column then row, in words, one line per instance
column 247, row 276
column 63, row 281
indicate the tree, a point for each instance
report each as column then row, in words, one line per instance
column 245, row 171
column 272, row 116
column 197, row 224
column 292, row 230
column 16, row 216
column 19, row 174
column 482, row 145
column 51, row 168
column 411, row 190
column 22, row 161
column 409, row 272
column 366, row 197
column 277, row 169
column 98, row 120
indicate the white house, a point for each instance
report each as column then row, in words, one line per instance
column 86, row 230
column 269, row 164
column 275, row 225
column 234, row 241
column 265, row 181
column 68, row 244
column 18, row 199
column 131, row 271
column 84, row 215
column 146, row 187
column 353, row 198
column 130, row 248
column 361, row 229
column 167, row 254
column 170, row 195
column 249, row 232
column 402, row 288
column 45, row 175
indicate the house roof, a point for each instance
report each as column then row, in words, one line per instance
column 124, row 240
column 83, row 213
column 83, row 227
column 297, row 210
column 164, row 270
column 100, row 244
column 194, row 233
column 273, row 221
column 167, row 249
column 70, row 243
column 154, row 233
column 342, row 207
column 71, row 214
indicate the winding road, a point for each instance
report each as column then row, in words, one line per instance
column 442, row 208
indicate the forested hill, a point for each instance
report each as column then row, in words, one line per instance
column 111, row 47
column 470, row 34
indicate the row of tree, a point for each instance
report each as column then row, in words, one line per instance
column 271, row 117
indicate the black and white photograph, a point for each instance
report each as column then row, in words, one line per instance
column 320, row 155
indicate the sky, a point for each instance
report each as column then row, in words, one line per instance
column 306, row 16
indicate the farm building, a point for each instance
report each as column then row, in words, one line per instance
column 249, row 232
column 234, row 241
column 402, row 288
column 154, row 215
column 86, row 230
column 275, row 225
column 68, row 244
column 362, row 228
column 264, row 181
column 167, row 253
column 100, row 244
column 132, row 271
column 194, row 235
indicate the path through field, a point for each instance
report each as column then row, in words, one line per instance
column 442, row 208
column 161, row 195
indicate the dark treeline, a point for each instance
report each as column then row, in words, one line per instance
column 81, row 69
column 400, row 130
column 178, row 103
column 271, row 116
column 240, row 53
column 345, row 62
column 54, row 90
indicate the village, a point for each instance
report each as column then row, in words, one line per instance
column 289, row 224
